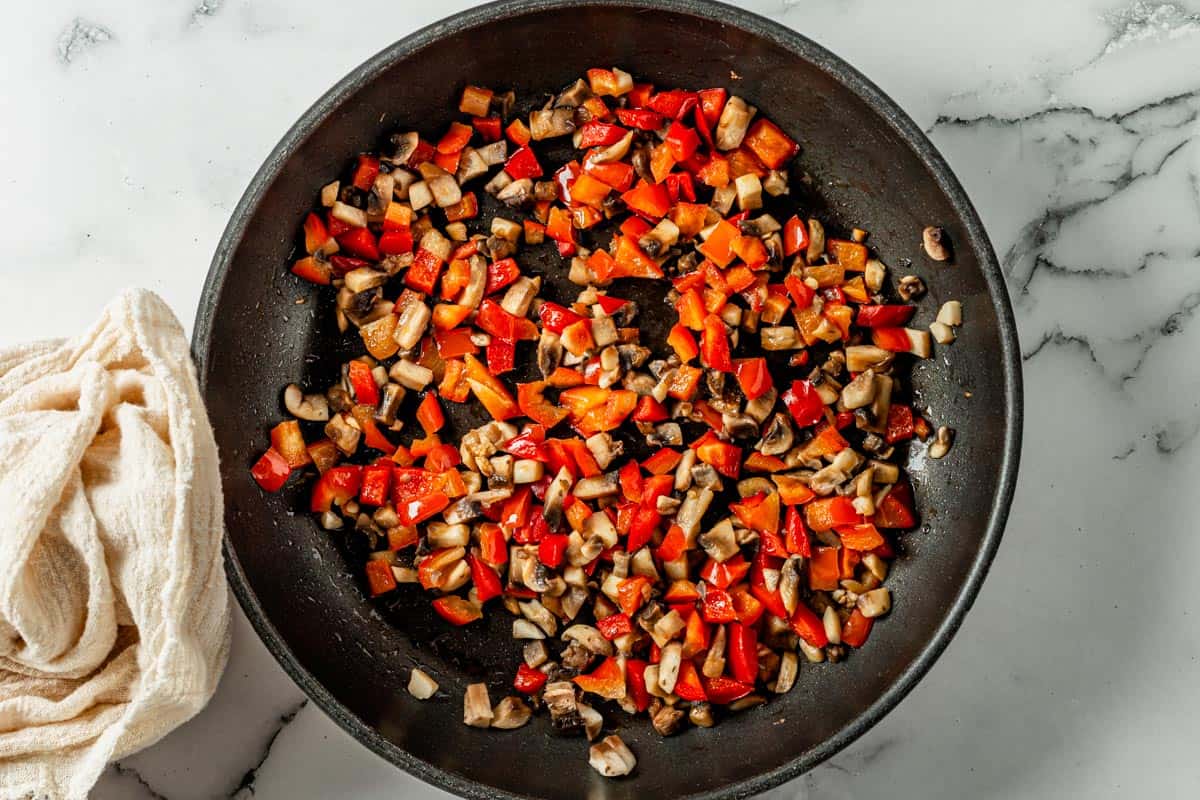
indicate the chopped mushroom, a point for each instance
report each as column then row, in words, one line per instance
column 421, row 686
column 510, row 713
column 731, row 127
column 312, row 407
column 477, row 707
column 936, row 243
column 611, row 758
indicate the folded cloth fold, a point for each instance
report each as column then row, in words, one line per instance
column 114, row 614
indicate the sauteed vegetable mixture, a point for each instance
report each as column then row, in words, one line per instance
column 673, row 525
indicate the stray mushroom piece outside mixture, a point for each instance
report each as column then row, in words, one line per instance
column 676, row 525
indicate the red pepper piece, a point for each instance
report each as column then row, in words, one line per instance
column 429, row 414
column 642, row 119
column 501, row 356
column 717, row 606
column 552, row 549
column 487, row 582
column 723, row 691
column 614, row 625
column 795, row 536
column 422, row 276
column 857, row 629
column 808, row 626
column 606, row 680
column 753, row 376
column 724, row 457
column 635, row 677
column 632, row 593
column 600, row 134
column 376, row 482
column 688, row 685
column 651, row 199
column 456, row 610
column 529, row 680
column 380, row 578
column 271, row 471
column 555, row 318
column 743, row 652
column 826, row 513
column 714, row 345
column 662, row 462
column 396, row 242
column 366, row 391
column 359, row 242
column 682, row 141
column 488, row 128
column 650, row 410
column 899, row 423
column 804, row 403
column 523, row 163
column 500, row 274
column 896, row 510
column 337, row 484
column 895, row 316
column 365, row 172
column 630, row 477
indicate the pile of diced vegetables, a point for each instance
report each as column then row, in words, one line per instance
column 674, row 525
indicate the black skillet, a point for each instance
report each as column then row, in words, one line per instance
column 301, row 587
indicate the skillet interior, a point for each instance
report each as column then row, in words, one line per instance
column 870, row 167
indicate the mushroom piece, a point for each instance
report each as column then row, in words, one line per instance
column 510, row 714
column 593, row 722
column 477, row 707
column 414, row 316
column 816, row 240
column 862, row 357
column 549, row 353
column 471, row 165
column 535, row 654
column 875, row 603
column 546, row 124
column 611, row 758
column 343, row 434
column 778, row 438
column 692, row 510
column 700, row 715
column 941, row 443
column 789, row 666
column 539, row 615
column 604, row 448
column 420, row 685
column 714, row 662
column 494, row 153
column 936, row 243
column 473, row 295
column 749, row 191
column 589, row 638
column 760, row 408
column 859, row 392
column 524, row 629
column 410, row 375
column 719, row 542
column 364, row 278
column 942, row 333
column 519, row 296
column 668, row 666
column 732, row 125
column 556, row 494
column 389, row 404
column 666, row 719
column 739, row 426
column 605, row 485
column 950, row 313
column 574, row 95
column 311, row 407
column 614, row 152
column 910, row 287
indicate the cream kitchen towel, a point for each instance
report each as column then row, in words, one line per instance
column 114, row 614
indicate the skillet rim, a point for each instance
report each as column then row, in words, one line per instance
column 881, row 104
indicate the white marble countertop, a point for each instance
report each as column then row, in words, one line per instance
column 1073, row 125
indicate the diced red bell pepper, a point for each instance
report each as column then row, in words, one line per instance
column 516, row 509
column 396, row 242
column 271, row 471
column 662, row 462
column 555, row 318
column 862, row 537
column 899, row 423
column 712, row 103
column 717, row 606
column 896, row 509
column 635, row 676
column 723, row 691
column 857, row 629
column 552, row 549
column 894, row 339
column 682, row 141
column 808, row 626
column 422, row 508
column 429, row 414
column 337, row 484
column 614, row 625
column 632, row 592
column 642, row 119
column 884, row 316
column 313, row 271
column 766, row 140
column 362, row 383
column 600, row 134
column 650, row 410
column 801, row 293
column 500, row 274
column 380, row 579
column 533, row 404
column 753, row 376
column 714, row 345
column 673, row 104
column 493, row 319
column 743, row 652
column 316, row 235
column 795, row 536
column 523, row 163
column 454, row 343
column 501, row 356
column 688, row 685
column 456, row 610
column 288, row 441
column 759, row 513
column 824, row 572
column 359, row 242
column 493, row 547
column 651, row 199
column 804, row 403
column 630, row 478
column 365, row 172
column 529, row 680
column 487, row 582
column 376, row 481
column 723, row 456
column 826, row 513
column 749, row 608
column 489, row 127
column 795, row 236
column 682, row 592
column 606, row 680
column 422, row 276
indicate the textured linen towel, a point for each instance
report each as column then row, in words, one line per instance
column 114, row 614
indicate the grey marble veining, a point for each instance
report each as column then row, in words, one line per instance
column 1074, row 127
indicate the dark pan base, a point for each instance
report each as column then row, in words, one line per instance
column 301, row 587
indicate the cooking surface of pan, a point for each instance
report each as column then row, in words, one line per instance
column 302, row 587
